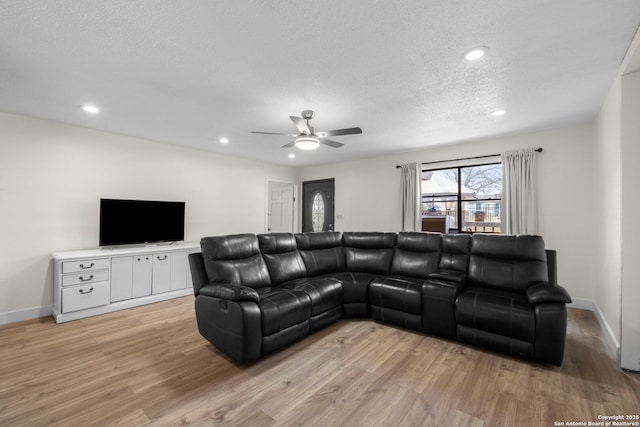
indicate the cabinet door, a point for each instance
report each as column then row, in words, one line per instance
column 161, row 273
column 141, row 275
column 178, row 270
column 121, row 278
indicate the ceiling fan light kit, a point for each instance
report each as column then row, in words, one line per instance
column 307, row 143
column 307, row 138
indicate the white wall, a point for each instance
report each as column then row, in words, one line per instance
column 368, row 199
column 607, row 184
column 630, row 250
column 52, row 176
column 615, row 180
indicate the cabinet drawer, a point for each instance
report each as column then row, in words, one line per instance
column 86, row 296
column 85, row 265
column 85, row 278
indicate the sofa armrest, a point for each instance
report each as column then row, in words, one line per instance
column 233, row 327
column 230, row 292
column 452, row 277
column 198, row 273
column 439, row 295
column 547, row 293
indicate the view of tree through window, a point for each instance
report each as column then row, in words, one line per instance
column 467, row 197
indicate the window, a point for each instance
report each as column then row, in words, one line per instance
column 467, row 197
column 317, row 212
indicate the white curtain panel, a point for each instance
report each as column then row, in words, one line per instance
column 410, row 190
column 519, row 192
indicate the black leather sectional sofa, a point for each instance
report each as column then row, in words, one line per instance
column 257, row 293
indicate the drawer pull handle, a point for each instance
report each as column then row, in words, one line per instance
column 83, row 292
column 163, row 258
column 88, row 266
column 82, row 279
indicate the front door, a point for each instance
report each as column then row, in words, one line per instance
column 318, row 205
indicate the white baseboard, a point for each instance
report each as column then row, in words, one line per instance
column 25, row 314
column 610, row 339
column 582, row 303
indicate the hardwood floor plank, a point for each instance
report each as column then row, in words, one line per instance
column 149, row 366
column 331, row 402
column 381, row 405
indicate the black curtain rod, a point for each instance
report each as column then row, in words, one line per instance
column 538, row 150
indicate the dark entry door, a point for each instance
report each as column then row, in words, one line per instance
column 318, row 205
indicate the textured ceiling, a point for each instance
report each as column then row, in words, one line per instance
column 190, row 72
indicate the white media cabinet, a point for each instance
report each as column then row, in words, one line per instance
column 96, row 281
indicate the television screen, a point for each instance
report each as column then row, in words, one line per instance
column 125, row 222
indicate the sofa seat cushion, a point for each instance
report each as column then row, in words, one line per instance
column 282, row 308
column 325, row 293
column 398, row 293
column 499, row 312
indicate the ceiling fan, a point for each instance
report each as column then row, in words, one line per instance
column 308, row 138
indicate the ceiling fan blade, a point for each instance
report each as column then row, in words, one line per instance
column 330, row 143
column 337, row 132
column 271, row 133
column 301, row 124
column 289, row 145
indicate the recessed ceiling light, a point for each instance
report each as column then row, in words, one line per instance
column 224, row 140
column 476, row 54
column 88, row 108
column 292, row 156
column 499, row 113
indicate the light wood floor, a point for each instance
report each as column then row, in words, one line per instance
column 149, row 366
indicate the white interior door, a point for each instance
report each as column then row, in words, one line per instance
column 280, row 196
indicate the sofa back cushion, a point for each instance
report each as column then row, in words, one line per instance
column 235, row 259
column 507, row 262
column 369, row 252
column 281, row 254
column 322, row 252
column 416, row 254
column 456, row 249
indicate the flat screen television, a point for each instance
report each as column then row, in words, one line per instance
column 124, row 222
